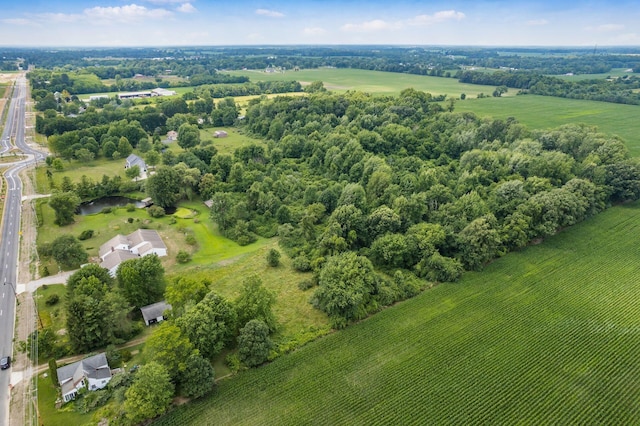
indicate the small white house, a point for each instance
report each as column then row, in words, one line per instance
column 154, row 313
column 134, row 160
column 93, row 373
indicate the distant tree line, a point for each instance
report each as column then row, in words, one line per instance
column 617, row 90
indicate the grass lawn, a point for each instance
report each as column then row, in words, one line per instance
column 49, row 415
column 374, row 82
column 54, row 315
column 75, row 169
column 545, row 335
column 542, row 112
column 229, row 144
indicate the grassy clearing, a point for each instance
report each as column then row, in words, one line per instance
column 51, row 316
column 75, row 169
column 542, row 112
column 375, row 82
column 615, row 72
column 545, row 335
column 233, row 141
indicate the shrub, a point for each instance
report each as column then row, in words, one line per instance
column 273, row 258
column 191, row 240
column 106, row 210
column 45, row 271
column 52, row 299
column 130, row 219
column 306, row 285
column 131, row 207
column 183, row 257
column 86, row 234
column 156, row 211
column 302, row 263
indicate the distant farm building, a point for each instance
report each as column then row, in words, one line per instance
column 220, row 134
column 146, row 94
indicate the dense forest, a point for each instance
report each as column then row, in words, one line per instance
column 413, row 191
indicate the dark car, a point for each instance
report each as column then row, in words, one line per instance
column 5, row 362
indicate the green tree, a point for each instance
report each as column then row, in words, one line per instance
column 198, row 378
column 168, row 346
column 152, row 158
column 346, row 284
column 64, row 205
column 124, row 147
column 254, row 343
column 132, row 172
column 479, row 242
column 68, row 251
column 273, row 258
column 183, row 293
column 210, row 324
column 141, row 280
column 150, row 393
column 164, row 186
column 188, row 136
column 255, row 302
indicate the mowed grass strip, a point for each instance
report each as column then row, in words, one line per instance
column 544, row 112
column 545, row 335
column 374, row 82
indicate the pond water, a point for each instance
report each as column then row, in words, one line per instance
column 96, row 206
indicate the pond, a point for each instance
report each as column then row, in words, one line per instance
column 97, row 205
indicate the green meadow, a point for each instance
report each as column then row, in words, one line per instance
column 543, row 112
column 374, row 82
column 546, row 335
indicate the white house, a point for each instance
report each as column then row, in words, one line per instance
column 93, row 373
column 172, row 135
column 154, row 313
column 137, row 244
column 134, row 160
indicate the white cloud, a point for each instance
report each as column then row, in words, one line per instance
column 314, row 31
column 368, row 26
column 537, row 22
column 186, row 8
column 16, row 21
column 604, row 28
column 441, row 16
column 269, row 13
column 164, row 1
column 128, row 13
column 60, row 17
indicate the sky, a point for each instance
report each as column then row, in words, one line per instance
column 112, row 23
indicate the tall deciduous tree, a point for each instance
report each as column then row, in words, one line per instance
column 168, row 346
column 198, row 378
column 188, row 136
column 141, row 280
column 164, row 186
column 150, row 393
column 183, row 293
column 254, row 343
column 255, row 302
column 210, row 324
column 64, row 204
column 68, row 252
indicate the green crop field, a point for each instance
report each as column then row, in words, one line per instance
column 547, row 335
column 542, row 112
column 374, row 82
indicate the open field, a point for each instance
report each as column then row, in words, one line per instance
column 233, row 141
column 542, row 112
column 615, row 72
column 374, row 82
column 545, row 335
column 49, row 415
column 74, row 169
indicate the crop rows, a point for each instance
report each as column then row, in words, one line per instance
column 549, row 335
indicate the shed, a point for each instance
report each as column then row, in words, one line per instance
column 220, row 134
column 154, row 313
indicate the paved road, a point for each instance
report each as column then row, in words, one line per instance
column 10, row 237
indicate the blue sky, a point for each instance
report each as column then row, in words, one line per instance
column 241, row 22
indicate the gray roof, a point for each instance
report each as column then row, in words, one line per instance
column 146, row 235
column 95, row 367
column 114, row 242
column 116, row 258
column 134, row 160
column 154, row 311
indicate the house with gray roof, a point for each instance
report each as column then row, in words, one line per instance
column 137, row 244
column 134, row 160
column 154, row 313
column 92, row 373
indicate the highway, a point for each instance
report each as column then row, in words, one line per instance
column 14, row 130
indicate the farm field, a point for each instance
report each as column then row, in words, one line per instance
column 545, row 335
column 542, row 112
column 374, row 82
